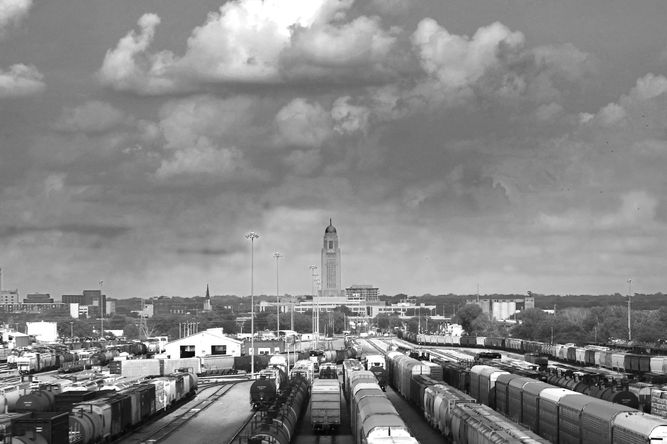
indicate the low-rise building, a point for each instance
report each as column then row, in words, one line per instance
column 204, row 343
column 43, row 331
column 38, row 298
column 9, row 297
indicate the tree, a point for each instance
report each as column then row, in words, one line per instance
column 466, row 317
column 382, row 321
column 78, row 328
column 131, row 331
column 535, row 325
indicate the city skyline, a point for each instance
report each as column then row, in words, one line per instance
column 508, row 146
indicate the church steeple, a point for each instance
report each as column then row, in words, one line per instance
column 207, row 301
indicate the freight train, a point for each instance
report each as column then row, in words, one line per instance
column 555, row 414
column 352, row 351
column 95, row 417
column 605, row 357
column 265, row 390
column 373, row 417
column 376, row 365
column 39, row 359
column 279, row 427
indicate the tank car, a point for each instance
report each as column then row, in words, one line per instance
column 36, row 401
column 279, row 428
column 262, row 393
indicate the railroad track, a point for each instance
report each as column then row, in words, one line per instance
column 157, row 430
column 242, row 430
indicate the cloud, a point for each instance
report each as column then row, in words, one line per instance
column 236, row 120
column 206, row 163
column 349, row 118
column 98, row 231
column 206, row 251
column 91, row 117
column 636, row 208
column 254, row 41
column 12, row 12
column 355, row 50
column 20, row 81
column 458, row 61
column 303, row 124
column 129, row 67
column 304, row 163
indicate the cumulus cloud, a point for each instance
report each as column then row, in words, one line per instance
column 91, row 117
column 459, row 61
column 349, row 118
column 254, row 41
column 304, row 163
column 643, row 109
column 303, row 124
column 130, row 67
column 358, row 50
column 206, row 161
column 21, row 80
column 234, row 120
column 12, row 12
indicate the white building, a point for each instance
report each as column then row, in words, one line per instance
column 205, row 343
column 43, row 331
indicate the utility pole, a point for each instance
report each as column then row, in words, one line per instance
column 277, row 256
column 553, row 321
column 316, row 329
column 629, row 310
column 101, row 311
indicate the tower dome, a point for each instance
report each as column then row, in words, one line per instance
column 330, row 228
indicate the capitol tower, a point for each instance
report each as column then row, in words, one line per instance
column 330, row 270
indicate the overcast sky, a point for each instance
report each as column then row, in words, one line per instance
column 518, row 145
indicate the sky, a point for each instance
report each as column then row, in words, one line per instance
column 500, row 145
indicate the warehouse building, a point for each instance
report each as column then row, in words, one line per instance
column 204, row 343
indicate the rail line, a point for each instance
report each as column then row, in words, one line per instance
column 149, row 434
column 239, row 435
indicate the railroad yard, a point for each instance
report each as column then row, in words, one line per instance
column 356, row 390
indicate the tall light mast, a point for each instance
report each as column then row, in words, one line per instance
column 252, row 236
column 277, row 256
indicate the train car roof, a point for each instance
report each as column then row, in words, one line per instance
column 652, row 427
column 556, row 393
column 605, row 410
column 576, row 401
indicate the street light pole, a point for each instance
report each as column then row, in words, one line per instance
column 277, row 256
column 252, row 236
column 312, row 289
column 101, row 312
column 629, row 310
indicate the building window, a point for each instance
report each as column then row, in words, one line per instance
column 218, row 349
column 330, row 245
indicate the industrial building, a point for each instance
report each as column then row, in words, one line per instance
column 502, row 308
column 204, row 343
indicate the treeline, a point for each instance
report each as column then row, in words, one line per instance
column 599, row 324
